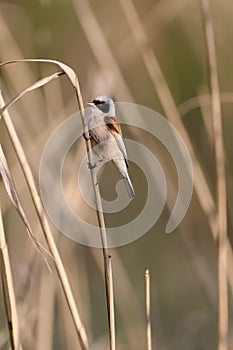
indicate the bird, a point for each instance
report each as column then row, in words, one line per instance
column 105, row 135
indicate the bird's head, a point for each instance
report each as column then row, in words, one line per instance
column 105, row 104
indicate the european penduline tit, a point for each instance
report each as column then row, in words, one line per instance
column 106, row 137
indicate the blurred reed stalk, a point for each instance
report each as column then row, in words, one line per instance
column 148, row 310
column 46, row 229
column 220, row 180
column 161, row 87
column 105, row 58
column 101, row 223
column 111, row 306
column 8, row 291
column 101, row 50
column 128, row 296
column 46, row 306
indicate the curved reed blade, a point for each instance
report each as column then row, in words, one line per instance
column 12, row 193
column 36, row 198
column 30, row 88
column 8, row 291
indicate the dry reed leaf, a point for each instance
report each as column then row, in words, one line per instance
column 4, row 170
column 221, row 181
column 35, row 197
column 37, row 201
column 65, row 69
column 12, row 193
column 32, row 87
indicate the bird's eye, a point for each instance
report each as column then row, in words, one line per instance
column 98, row 102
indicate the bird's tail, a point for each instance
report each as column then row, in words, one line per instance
column 129, row 187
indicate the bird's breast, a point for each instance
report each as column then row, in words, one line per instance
column 99, row 129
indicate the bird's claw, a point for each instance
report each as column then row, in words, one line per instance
column 91, row 165
column 87, row 138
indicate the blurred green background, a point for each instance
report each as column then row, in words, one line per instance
column 95, row 39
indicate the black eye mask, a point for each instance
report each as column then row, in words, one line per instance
column 103, row 106
column 97, row 102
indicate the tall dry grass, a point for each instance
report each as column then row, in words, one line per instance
column 152, row 54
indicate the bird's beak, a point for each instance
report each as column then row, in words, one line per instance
column 91, row 104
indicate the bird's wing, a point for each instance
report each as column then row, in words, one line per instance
column 115, row 128
column 113, row 125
